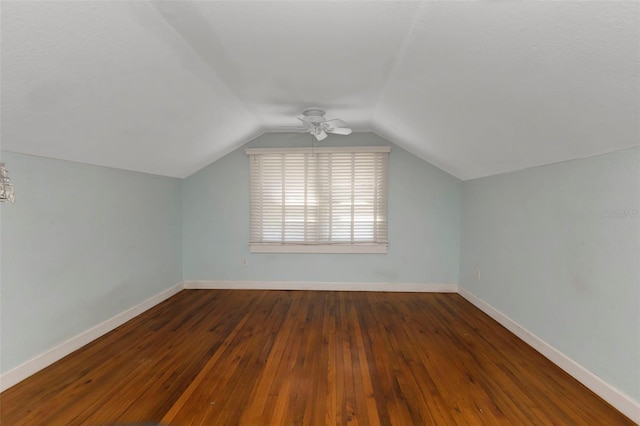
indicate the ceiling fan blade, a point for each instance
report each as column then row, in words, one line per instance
column 321, row 135
column 336, row 123
column 290, row 128
column 340, row 131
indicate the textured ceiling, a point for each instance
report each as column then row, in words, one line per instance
column 476, row 88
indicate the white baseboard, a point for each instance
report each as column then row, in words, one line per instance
column 326, row 286
column 47, row 358
column 618, row 399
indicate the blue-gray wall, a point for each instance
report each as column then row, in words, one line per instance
column 558, row 249
column 424, row 224
column 80, row 245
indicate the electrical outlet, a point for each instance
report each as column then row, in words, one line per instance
column 244, row 262
column 478, row 274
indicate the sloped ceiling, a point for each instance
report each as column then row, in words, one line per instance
column 476, row 88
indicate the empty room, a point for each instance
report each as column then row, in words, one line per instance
column 319, row 213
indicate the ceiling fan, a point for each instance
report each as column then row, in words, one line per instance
column 314, row 122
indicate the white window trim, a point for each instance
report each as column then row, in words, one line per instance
column 363, row 248
column 251, row 151
column 328, row 248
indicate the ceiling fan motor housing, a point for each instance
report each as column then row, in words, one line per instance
column 314, row 115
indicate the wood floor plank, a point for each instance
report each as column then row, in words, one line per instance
column 221, row 357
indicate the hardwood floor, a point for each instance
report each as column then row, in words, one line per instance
column 222, row 357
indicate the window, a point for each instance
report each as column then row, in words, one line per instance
column 319, row 200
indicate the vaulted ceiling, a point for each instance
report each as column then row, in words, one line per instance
column 476, row 88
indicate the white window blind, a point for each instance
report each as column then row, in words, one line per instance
column 331, row 200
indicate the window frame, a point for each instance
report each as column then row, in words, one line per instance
column 334, row 247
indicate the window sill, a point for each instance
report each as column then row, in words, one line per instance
column 302, row 248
